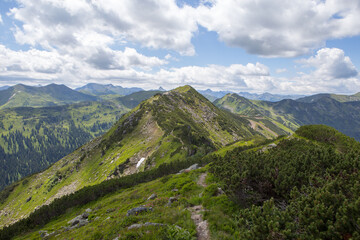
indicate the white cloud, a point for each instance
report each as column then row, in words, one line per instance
column 65, row 25
column 1, row 21
column 39, row 66
column 281, row 28
column 330, row 64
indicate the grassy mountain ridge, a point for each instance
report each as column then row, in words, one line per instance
column 337, row 97
column 167, row 127
column 298, row 187
column 344, row 116
column 27, row 96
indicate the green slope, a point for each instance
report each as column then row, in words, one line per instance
column 300, row 187
column 167, row 127
column 26, row 96
column 344, row 116
column 265, row 124
column 33, row 138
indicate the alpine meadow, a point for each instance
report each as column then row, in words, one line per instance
column 179, row 119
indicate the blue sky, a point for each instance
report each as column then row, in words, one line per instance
column 278, row 46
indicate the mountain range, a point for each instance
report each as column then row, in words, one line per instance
column 177, row 166
column 318, row 109
column 213, row 95
column 100, row 89
column 51, row 95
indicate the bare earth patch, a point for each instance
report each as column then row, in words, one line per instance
column 202, row 227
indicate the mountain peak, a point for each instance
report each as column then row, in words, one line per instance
column 184, row 89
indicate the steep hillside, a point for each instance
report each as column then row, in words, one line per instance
column 344, row 116
column 171, row 126
column 51, row 95
column 267, row 126
column 298, row 187
column 102, row 89
column 33, row 138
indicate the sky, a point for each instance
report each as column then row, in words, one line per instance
column 276, row 46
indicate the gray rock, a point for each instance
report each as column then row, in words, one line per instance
column 88, row 210
column 75, row 220
column 137, row 225
column 192, row 167
column 272, row 145
column 152, row 197
column 43, row 234
column 137, row 210
column 82, row 223
column 171, row 200
column 175, row 190
column 79, row 221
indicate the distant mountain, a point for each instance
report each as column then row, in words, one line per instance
column 31, row 139
column 51, row 95
column 337, row 97
column 100, row 89
column 322, row 109
column 4, row 87
column 268, row 96
column 132, row 100
column 213, row 95
column 216, row 94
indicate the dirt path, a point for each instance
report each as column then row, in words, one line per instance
column 201, row 180
column 202, row 227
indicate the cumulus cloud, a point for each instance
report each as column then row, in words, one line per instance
column 69, row 24
column 40, row 66
column 280, row 28
column 331, row 63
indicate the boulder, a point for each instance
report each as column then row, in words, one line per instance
column 192, row 167
column 152, row 197
column 88, row 210
column 137, row 210
column 137, row 225
column 79, row 221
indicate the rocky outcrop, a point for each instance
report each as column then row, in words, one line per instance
column 137, row 210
